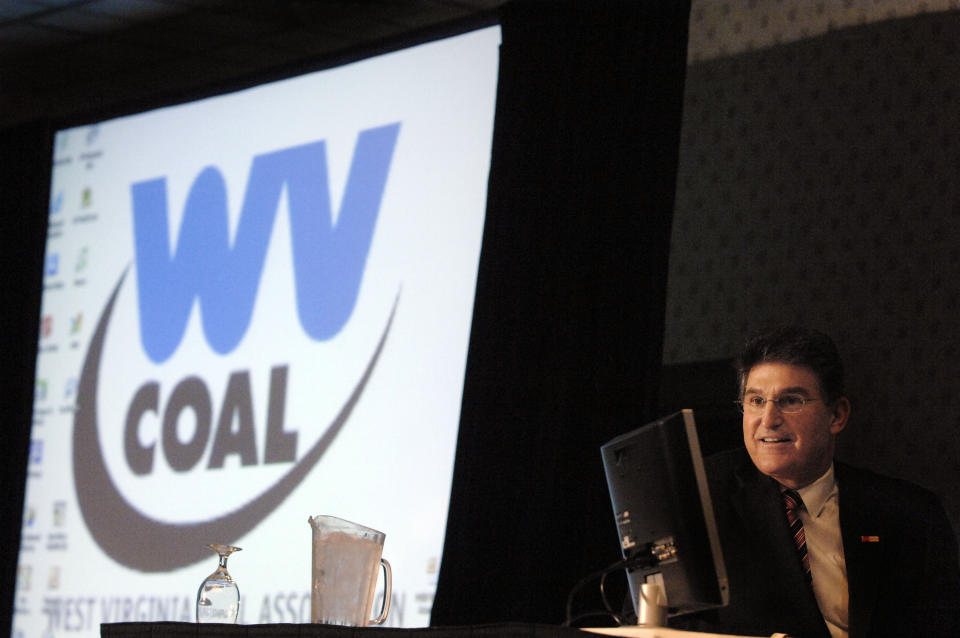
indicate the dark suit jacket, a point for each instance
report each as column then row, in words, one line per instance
column 901, row 557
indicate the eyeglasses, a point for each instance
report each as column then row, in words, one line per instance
column 788, row 403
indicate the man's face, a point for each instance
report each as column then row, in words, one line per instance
column 794, row 448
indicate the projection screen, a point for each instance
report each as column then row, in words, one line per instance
column 256, row 308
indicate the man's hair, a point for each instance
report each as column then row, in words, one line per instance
column 796, row 346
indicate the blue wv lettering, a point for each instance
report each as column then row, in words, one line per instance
column 328, row 258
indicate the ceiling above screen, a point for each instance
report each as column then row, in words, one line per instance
column 59, row 58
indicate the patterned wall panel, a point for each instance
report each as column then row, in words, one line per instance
column 725, row 27
column 818, row 184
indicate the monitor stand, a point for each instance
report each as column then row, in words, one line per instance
column 652, row 602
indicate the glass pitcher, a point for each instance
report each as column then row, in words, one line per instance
column 346, row 561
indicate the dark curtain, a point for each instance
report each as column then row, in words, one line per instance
column 567, row 338
column 24, row 182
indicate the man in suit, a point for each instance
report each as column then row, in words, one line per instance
column 878, row 556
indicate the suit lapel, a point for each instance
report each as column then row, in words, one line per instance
column 758, row 504
column 863, row 548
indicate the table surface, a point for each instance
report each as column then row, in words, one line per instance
column 285, row 630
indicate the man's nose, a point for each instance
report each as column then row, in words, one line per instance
column 771, row 416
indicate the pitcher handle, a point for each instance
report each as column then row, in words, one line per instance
column 387, row 591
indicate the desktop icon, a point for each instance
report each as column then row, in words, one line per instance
column 52, row 264
column 36, row 452
column 53, row 577
column 40, row 390
column 56, row 203
column 70, row 389
column 59, row 513
column 24, row 576
column 81, row 264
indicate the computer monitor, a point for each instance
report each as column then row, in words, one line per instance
column 664, row 514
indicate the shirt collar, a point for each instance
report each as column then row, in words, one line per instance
column 816, row 495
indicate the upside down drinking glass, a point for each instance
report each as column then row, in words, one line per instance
column 218, row 599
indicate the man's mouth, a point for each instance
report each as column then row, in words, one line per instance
column 770, row 439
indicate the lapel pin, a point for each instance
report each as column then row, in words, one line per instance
column 869, row 539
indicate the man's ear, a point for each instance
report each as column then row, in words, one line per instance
column 841, row 413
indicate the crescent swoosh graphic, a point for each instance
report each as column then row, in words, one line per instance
column 140, row 542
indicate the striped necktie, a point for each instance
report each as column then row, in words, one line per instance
column 792, row 502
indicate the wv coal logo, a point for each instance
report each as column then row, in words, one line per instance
column 329, row 259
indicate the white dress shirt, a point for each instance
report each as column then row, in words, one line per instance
column 820, row 515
